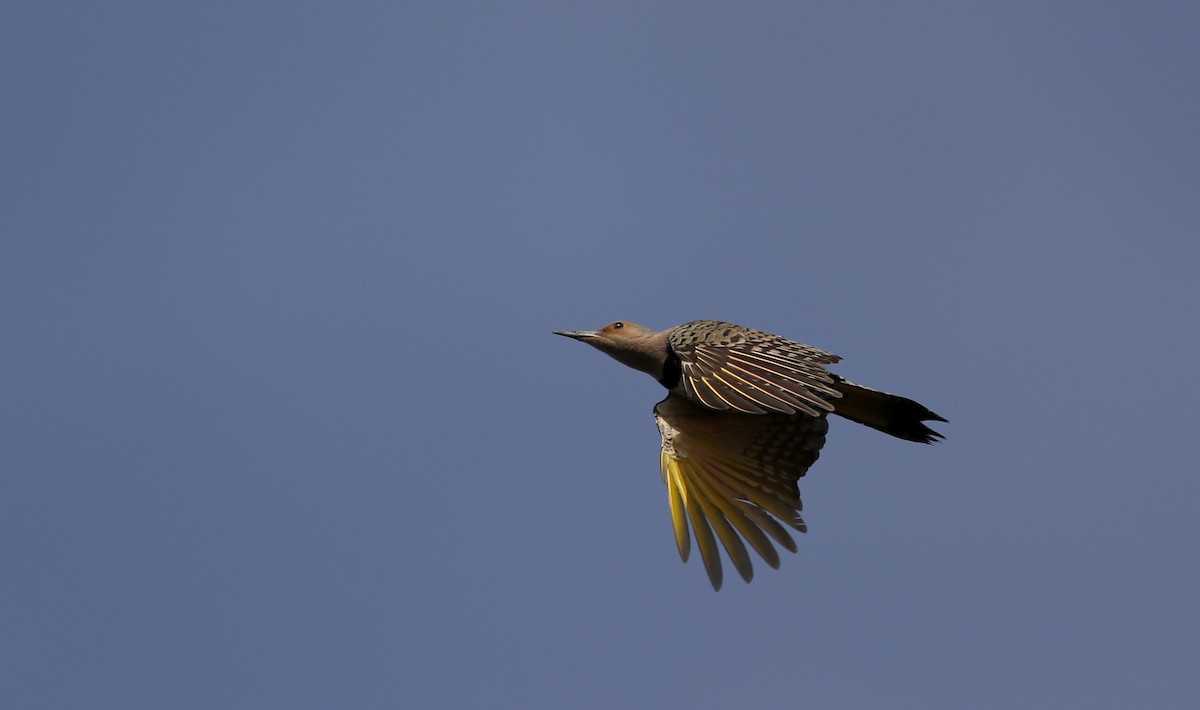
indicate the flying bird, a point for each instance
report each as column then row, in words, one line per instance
column 743, row 420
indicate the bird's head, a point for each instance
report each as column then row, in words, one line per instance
column 631, row 344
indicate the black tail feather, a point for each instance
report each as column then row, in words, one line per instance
column 899, row 416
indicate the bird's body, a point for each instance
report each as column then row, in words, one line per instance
column 743, row 420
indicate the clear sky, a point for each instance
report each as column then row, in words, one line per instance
column 284, row 424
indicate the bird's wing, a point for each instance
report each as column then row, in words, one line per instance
column 725, row 366
column 734, row 475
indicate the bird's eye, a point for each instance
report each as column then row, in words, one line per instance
column 618, row 324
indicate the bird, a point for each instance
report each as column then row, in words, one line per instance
column 744, row 418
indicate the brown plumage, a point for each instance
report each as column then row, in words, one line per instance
column 743, row 420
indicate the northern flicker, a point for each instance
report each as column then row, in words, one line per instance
column 743, row 420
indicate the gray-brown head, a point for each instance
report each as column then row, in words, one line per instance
column 630, row 344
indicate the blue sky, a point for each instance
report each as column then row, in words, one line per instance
column 284, row 424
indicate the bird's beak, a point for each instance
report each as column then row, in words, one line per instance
column 579, row 334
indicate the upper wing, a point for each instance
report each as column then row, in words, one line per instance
column 729, row 473
column 725, row 366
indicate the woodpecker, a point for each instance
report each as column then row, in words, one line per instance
column 743, row 420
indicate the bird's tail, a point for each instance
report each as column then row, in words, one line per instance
column 899, row 416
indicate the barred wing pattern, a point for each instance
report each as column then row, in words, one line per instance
column 734, row 475
column 731, row 367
